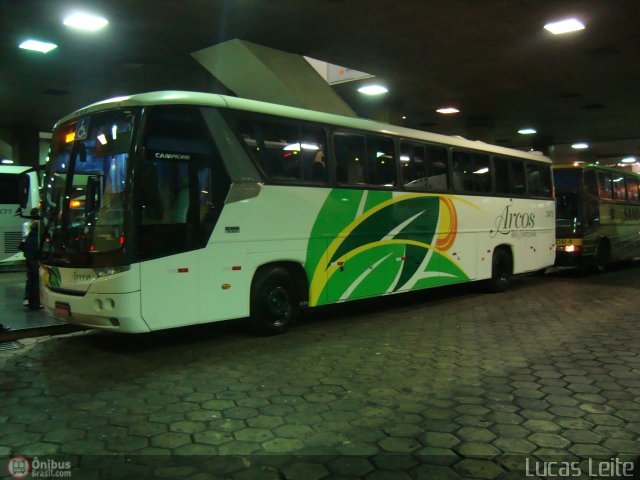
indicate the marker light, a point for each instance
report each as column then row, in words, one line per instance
column 580, row 146
column 102, row 139
column 74, row 203
column 84, row 21
column 373, row 90
column 448, row 110
column 70, row 137
column 571, row 248
column 564, row 26
column 527, row 131
column 37, row 46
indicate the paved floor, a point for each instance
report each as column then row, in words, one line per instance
column 452, row 383
column 13, row 314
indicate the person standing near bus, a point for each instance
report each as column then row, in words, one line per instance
column 32, row 287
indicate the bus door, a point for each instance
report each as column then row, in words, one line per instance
column 181, row 188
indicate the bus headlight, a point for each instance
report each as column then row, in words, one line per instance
column 106, row 271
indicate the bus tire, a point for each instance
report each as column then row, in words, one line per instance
column 603, row 256
column 275, row 301
column 501, row 271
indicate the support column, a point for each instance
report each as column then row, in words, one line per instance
column 26, row 147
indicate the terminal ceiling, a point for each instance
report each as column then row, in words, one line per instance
column 492, row 59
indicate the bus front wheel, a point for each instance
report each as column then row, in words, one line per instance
column 275, row 301
column 501, row 271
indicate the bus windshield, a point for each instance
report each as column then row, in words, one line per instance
column 567, row 183
column 85, row 190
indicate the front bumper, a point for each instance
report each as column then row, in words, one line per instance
column 114, row 312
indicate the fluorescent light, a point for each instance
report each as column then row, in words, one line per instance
column 629, row 160
column 482, row 170
column 527, row 131
column 448, row 110
column 564, row 26
column 404, row 117
column 85, row 21
column 373, row 90
column 405, row 158
column 304, row 146
column 6, row 161
column 580, row 146
column 38, row 46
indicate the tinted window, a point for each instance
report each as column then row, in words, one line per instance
column 632, row 189
column 481, row 173
column 350, row 158
column 501, row 172
column 413, row 166
column 471, row 172
column 424, row 167
column 382, row 162
column 604, row 183
column 9, row 188
column 538, row 180
column 517, row 177
column 619, row 189
column 183, row 182
column 590, row 182
column 285, row 152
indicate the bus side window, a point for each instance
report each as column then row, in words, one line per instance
column 590, row 182
column 481, row 169
column 462, row 174
column 413, row 166
column 632, row 189
column 619, row 189
column 501, row 169
column 437, row 167
column 381, row 159
column 545, row 181
column 605, row 187
column 517, row 177
column 534, row 186
column 350, row 158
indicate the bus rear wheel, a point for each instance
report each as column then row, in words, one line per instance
column 501, row 271
column 275, row 302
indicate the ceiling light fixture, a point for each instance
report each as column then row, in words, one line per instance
column 447, row 110
column 629, row 160
column 564, row 26
column 527, row 131
column 580, row 146
column 373, row 89
column 37, row 46
column 6, row 161
column 85, row 21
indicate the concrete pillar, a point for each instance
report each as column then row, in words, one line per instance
column 26, row 147
column 262, row 73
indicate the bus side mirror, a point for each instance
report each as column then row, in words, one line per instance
column 24, row 186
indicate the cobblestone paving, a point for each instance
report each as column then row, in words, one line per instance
column 450, row 383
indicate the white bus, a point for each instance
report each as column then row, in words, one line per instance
column 174, row 208
column 12, row 183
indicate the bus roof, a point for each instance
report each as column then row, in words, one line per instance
column 174, row 97
column 593, row 166
column 15, row 169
